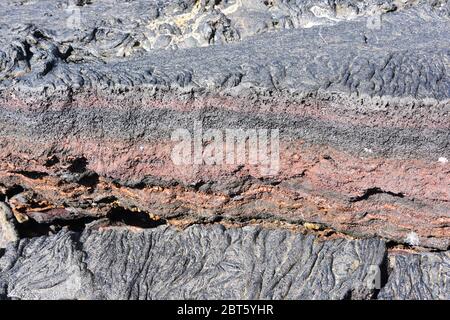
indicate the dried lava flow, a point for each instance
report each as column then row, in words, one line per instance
column 88, row 112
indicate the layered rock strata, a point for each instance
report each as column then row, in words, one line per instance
column 355, row 95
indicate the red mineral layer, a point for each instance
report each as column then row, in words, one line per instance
column 364, row 196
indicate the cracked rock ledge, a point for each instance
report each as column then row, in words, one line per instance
column 94, row 206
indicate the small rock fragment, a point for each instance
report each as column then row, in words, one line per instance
column 8, row 232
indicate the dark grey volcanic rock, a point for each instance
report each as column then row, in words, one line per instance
column 91, row 91
column 211, row 262
column 418, row 277
column 201, row 262
column 345, row 58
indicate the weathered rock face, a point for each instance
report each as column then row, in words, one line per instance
column 355, row 96
column 418, row 277
column 211, row 262
column 247, row 263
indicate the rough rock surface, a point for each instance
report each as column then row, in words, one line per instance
column 91, row 93
column 362, row 114
column 419, row 277
column 211, row 262
column 198, row 263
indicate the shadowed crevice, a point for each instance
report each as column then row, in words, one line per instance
column 373, row 191
column 117, row 216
